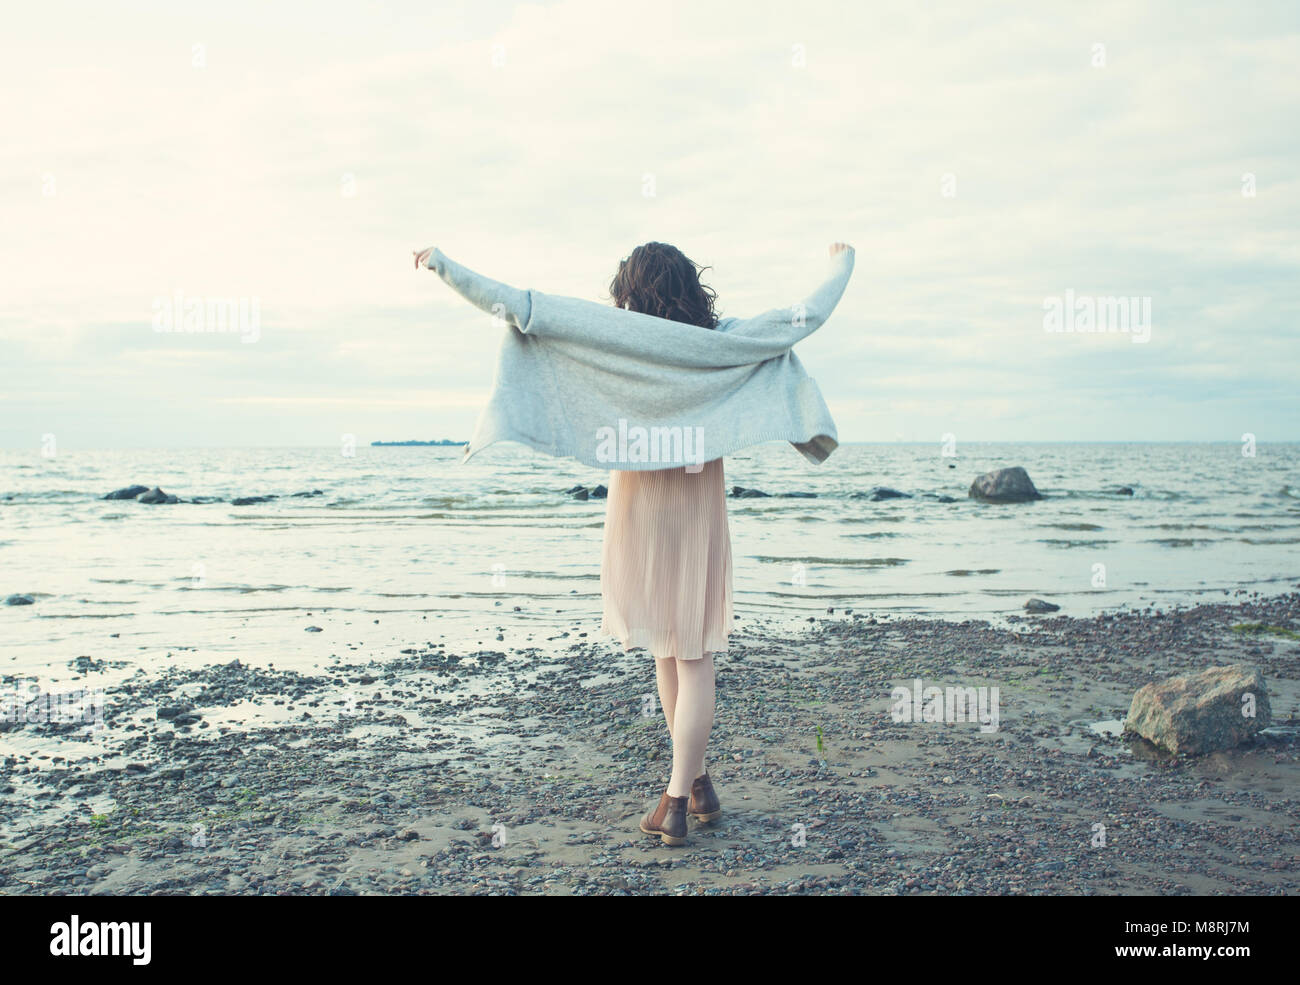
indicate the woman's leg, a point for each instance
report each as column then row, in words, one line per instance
column 666, row 677
column 692, row 722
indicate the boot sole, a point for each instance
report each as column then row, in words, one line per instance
column 708, row 818
column 667, row 838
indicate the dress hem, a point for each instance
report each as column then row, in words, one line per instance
column 643, row 640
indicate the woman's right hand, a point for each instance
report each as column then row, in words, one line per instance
column 839, row 248
column 422, row 256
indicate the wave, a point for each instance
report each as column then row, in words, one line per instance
column 85, row 615
column 1069, row 544
column 846, row 562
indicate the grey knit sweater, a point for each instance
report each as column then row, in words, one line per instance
column 617, row 389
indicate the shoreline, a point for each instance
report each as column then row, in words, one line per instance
column 380, row 784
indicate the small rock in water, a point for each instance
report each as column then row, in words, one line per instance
column 877, row 493
column 600, row 492
column 1004, row 486
column 313, row 629
column 129, row 492
column 740, row 492
column 1039, row 605
column 1216, row 709
column 156, row 495
column 20, row 600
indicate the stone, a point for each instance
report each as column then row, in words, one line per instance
column 156, row 495
column 129, row 492
column 1040, row 605
column 1011, row 485
column 20, row 600
column 1191, row 714
column 877, row 493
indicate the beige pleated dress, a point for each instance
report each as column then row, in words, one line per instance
column 665, row 571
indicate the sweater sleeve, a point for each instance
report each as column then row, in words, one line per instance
column 798, row 321
column 512, row 305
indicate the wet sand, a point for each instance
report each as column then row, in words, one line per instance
column 371, row 779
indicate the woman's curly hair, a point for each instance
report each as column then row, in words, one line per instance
column 658, row 279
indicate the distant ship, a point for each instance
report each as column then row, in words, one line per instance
column 390, row 444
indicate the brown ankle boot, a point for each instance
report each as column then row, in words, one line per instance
column 704, row 802
column 668, row 820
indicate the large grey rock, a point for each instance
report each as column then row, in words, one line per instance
column 1203, row 712
column 130, row 492
column 20, row 600
column 1011, row 485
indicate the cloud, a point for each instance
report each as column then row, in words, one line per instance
column 316, row 145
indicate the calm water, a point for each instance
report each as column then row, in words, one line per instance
column 407, row 544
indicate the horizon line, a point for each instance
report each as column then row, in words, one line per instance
column 455, row 443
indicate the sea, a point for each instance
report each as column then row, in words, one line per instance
column 388, row 547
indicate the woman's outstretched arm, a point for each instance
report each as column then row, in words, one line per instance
column 510, row 304
column 798, row 321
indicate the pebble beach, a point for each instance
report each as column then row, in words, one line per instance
column 524, row 770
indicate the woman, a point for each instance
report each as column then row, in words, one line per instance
column 666, row 577
column 665, row 574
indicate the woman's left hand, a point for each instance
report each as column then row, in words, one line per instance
column 422, row 256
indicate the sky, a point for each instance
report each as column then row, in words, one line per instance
column 983, row 160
